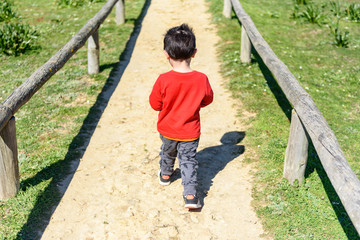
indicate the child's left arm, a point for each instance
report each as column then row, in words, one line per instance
column 209, row 95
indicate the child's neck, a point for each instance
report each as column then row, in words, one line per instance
column 182, row 66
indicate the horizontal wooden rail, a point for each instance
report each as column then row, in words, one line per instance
column 343, row 179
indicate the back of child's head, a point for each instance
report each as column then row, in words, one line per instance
column 179, row 42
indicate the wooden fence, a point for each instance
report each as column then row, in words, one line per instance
column 306, row 120
column 9, row 170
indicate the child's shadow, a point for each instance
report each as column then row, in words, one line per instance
column 214, row 159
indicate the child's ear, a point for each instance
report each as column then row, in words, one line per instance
column 166, row 54
column 195, row 51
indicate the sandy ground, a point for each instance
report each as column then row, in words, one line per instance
column 115, row 194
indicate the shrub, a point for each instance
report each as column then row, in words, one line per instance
column 313, row 14
column 353, row 11
column 6, row 12
column 16, row 38
column 296, row 12
column 335, row 8
column 340, row 39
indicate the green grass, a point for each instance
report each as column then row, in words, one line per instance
column 55, row 124
column 331, row 75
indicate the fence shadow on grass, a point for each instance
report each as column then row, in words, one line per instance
column 273, row 85
column 212, row 160
column 313, row 165
column 62, row 171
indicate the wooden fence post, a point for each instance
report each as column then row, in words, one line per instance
column 120, row 12
column 296, row 151
column 227, row 8
column 9, row 168
column 93, row 53
column 245, row 53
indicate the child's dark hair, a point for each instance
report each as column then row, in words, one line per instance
column 179, row 42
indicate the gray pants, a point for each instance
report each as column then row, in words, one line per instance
column 186, row 153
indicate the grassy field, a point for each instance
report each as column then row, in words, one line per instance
column 331, row 75
column 54, row 125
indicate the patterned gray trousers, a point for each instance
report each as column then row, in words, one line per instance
column 186, row 153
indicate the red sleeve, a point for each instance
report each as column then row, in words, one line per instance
column 155, row 98
column 209, row 95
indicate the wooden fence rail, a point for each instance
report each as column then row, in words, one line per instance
column 306, row 118
column 9, row 173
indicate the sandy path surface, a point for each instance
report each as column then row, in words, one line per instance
column 115, row 194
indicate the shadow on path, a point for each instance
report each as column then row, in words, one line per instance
column 63, row 171
column 213, row 160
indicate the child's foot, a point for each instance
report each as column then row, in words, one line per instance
column 163, row 179
column 192, row 202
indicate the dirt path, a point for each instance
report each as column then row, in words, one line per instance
column 115, row 194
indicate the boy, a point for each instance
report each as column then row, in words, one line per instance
column 178, row 95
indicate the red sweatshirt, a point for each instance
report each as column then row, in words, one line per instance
column 179, row 97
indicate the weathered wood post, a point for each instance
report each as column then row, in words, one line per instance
column 9, row 168
column 296, row 151
column 120, row 12
column 93, row 53
column 227, row 8
column 245, row 52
